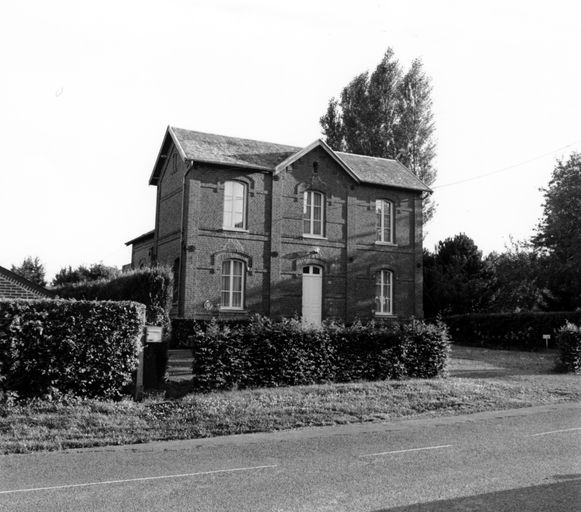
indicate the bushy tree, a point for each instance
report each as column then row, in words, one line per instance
column 388, row 114
column 558, row 234
column 31, row 269
column 68, row 275
column 456, row 278
column 516, row 279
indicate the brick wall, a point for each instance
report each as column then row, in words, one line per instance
column 10, row 289
column 274, row 248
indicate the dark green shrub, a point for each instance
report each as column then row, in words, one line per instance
column 517, row 331
column 78, row 347
column 426, row 349
column 569, row 345
column 217, row 357
column 183, row 330
column 149, row 286
column 285, row 353
column 267, row 353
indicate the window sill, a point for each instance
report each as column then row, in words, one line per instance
column 237, row 230
column 315, row 237
column 385, row 315
column 233, row 310
column 389, row 244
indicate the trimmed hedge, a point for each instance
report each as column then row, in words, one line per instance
column 152, row 286
column 569, row 345
column 265, row 353
column 183, row 330
column 517, row 331
column 79, row 347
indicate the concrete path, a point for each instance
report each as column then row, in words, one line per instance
column 522, row 460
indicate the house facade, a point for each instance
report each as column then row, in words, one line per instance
column 256, row 227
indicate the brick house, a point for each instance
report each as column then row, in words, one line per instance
column 252, row 226
column 13, row 286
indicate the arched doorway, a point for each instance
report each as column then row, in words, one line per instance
column 312, row 294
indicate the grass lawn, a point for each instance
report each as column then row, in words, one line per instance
column 480, row 380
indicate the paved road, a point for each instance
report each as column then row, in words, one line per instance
column 521, row 460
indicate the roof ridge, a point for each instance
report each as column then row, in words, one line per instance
column 233, row 137
column 369, row 156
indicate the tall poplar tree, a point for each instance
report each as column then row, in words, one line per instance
column 558, row 235
column 387, row 113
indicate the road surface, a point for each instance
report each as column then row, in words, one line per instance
column 521, row 460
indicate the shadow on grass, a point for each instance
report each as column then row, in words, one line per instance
column 556, row 497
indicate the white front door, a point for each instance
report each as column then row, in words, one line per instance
column 312, row 294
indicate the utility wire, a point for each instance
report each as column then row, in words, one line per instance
column 504, row 169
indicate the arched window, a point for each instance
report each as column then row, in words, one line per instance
column 384, row 292
column 313, row 213
column 232, row 284
column 384, row 222
column 234, row 205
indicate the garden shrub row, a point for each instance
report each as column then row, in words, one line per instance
column 569, row 345
column 152, row 286
column 517, row 331
column 265, row 353
column 84, row 348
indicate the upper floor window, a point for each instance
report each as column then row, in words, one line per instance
column 384, row 222
column 234, row 205
column 232, row 284
column 384, row 292
column 313, row 213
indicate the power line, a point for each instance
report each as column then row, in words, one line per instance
column 504, row 169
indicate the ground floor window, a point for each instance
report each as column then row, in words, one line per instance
column 384, row 292
column 232, row 284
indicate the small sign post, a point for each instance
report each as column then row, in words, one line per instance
column 546, row 337
column 151, row 334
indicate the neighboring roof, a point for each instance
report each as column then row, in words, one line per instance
column 382, row 171
column 268, row 156
column 23, row 283
column 142, row 238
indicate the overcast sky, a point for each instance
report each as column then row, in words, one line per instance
column 87, row 90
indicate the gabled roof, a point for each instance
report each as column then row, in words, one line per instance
column 25, row 283
column 269, row 156
column 141, row 238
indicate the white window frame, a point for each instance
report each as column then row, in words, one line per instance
column 229, row 202
column 381, row 204
column 229, row 266
column 384, row 300
column 308, row 200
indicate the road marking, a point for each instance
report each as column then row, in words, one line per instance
column 408, row 450
column 142, row 479
column 555, row 432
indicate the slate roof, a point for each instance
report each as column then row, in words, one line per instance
column 253, row 154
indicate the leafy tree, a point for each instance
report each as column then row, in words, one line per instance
column 31, row 269
column 558, row 234
column 388, row 114
column 456, row 278
column 68, row 275
column 516, row 279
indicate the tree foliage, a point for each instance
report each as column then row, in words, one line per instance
column 558, row 234
column 31, row 269
column 81, row 274
column 456, row 278
column 517, row 279
column 388, row 114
